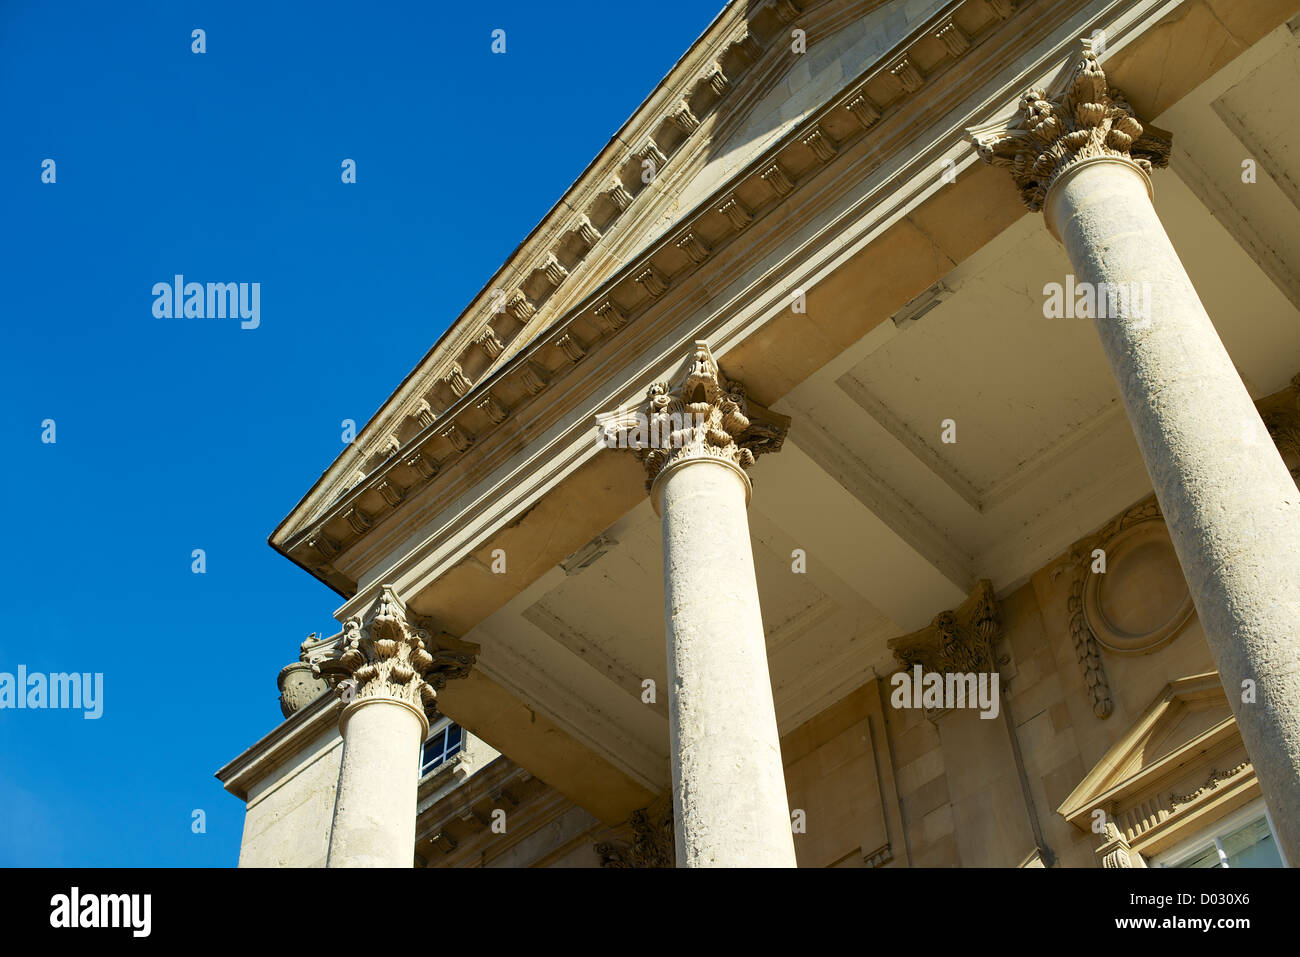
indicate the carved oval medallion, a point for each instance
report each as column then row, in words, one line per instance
column 1141, row 602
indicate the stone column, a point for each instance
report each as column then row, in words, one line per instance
column 374, row 809
column 1233, row 511
column 696, row 440
column 393, row 680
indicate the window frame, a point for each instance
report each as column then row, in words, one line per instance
column 440, row 729
column 1212, row 837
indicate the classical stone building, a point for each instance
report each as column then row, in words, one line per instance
column 888, row 339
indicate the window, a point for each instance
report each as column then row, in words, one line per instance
column 445, row 741
column 1243, row 839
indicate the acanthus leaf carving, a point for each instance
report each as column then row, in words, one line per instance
column 684, row 118
column 457, row 381
column 390, row 654
column 704, row 414
column 1115, row 851
column 958, row 641
column 1079, row 118
column 489, row 342
column 646, row 839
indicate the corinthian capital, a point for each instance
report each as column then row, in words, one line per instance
column 1079, row 117
column 391, row 653
column 701, row 414
column 960, row 640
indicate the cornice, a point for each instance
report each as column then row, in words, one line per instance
column 707, row 74
column 697, row 241
column 456, row 831
column 486, row 782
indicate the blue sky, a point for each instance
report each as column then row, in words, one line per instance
column 174, row 435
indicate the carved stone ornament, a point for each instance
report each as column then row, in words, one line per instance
column 457, row 381
column 1216, row 776
column 1078, row 118
column 959, row 641
column 1079, row 563
column 1180, row 763
column 704, row 414
column 879, row 857
column 645, row 840
column 391, row 653
column 1141, row 602
column 1115, row 850
column 684, row 118
column 1086, row 649
column 490, row 343
column 520, row 307
column 299, row 687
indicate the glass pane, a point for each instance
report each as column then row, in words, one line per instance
column 1252, row 846
column 431, row 756
column 1206, row 857
column 440, row 746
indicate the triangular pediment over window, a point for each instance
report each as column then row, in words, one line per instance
column 1178, row 768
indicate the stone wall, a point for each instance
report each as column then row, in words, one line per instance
column 955, row 789
column 289, row 811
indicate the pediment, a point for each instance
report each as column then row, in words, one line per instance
column 1169, row 766
column 810, row 79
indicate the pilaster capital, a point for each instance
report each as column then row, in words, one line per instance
column 646, row 839
column 392, row 654
column 959, row 640
column 1078, row 118
column 701, row 414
